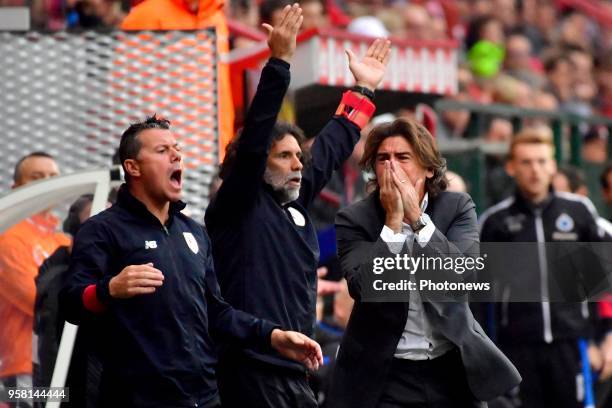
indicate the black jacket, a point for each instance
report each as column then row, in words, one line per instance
column 375, row 327
column 562, row 217
column 266, row 254
column 156, row 349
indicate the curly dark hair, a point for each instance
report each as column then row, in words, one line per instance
column 280, row 130
column 422, row 143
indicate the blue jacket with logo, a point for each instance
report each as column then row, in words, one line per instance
column 156, row 349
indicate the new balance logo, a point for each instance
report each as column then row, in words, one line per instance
column 150, row 244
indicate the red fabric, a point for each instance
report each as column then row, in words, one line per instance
column 91, row 301
column 357, row 109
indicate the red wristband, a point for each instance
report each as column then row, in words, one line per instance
column 357, row 110
column 91, row 301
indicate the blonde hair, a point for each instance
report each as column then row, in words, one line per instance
column 532, row 135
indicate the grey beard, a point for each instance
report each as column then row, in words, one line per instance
column 277, row 181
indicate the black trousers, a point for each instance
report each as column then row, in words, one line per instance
column 248, row 383
column 550, row 373
column 437, row 383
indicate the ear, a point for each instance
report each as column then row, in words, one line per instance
column 429, row 174
column 132, row 167
column 510, row 168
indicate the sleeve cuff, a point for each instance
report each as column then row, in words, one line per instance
column 395, row 242
column 278, row 61
column 91, row 300
column 424, row 235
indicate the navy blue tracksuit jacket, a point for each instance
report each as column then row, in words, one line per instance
column 156, row 349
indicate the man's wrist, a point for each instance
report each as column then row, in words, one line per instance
column 370, row 87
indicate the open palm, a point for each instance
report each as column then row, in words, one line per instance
column 370, row 70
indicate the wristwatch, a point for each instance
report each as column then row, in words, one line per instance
column 419, row 224
column 364, row 91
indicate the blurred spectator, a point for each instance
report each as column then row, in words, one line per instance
column 558, row 71
column 570, row 179
column 518, row 61
column 605, row 181
column 498, row 184
column 23, row 249
column 485, row 46
column 595, row 145
column 455, row 182
column 315, row 14
column 84, row 371
column 604, row 83
column 453, row 123
column 417, row 22
column 369, row 26
column 191, row 15
column 270, row 11
column 94, row 14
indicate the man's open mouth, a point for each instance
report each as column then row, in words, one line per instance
column 295, row 181
column 176, row 178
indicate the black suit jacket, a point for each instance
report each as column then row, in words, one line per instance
column 374, row 329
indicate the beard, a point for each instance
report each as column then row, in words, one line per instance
column 278, row 181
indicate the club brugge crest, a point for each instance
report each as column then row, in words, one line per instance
column 297, row 216
column 564, row 223
column 191, row 242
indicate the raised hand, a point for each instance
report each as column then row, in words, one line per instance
column 370, row 70
column 391, row 200
column 298, row 347
column 282, row 38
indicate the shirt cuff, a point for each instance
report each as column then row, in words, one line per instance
column 91, row 301
column 424, row 235
column 395, row 242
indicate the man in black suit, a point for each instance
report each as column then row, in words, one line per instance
column 418, row 352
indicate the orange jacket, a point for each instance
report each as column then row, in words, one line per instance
column 23, row 248
column 175, row 15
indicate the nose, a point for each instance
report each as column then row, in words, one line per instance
column 176, row 155
column 297, row 164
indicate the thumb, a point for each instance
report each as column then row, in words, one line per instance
column 268, row 28
column 350, row 55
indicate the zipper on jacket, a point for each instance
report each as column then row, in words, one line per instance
column 548, row 336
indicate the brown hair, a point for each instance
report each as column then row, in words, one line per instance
column 423, row 146
column 534, row 135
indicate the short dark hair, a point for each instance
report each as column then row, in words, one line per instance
column 17, row 170
column 72, row 223
column 268, row 7
column 280, row 130
column 575, row 177
column 129, row 147
column 603, row 178
column 423, row 146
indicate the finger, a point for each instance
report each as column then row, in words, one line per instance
column 351, row 56
column 380, row 43
column 147, row 269
column 297, row 26
column 141, row 290
column 268, row 28
column 386, row 52
column 284, row 15
column 322, row 271
column 145, row 283
column 292, row 15
column 371, row 48
column 151, row 275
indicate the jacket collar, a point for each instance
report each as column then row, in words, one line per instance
column 525, row 204
column 126, row 200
